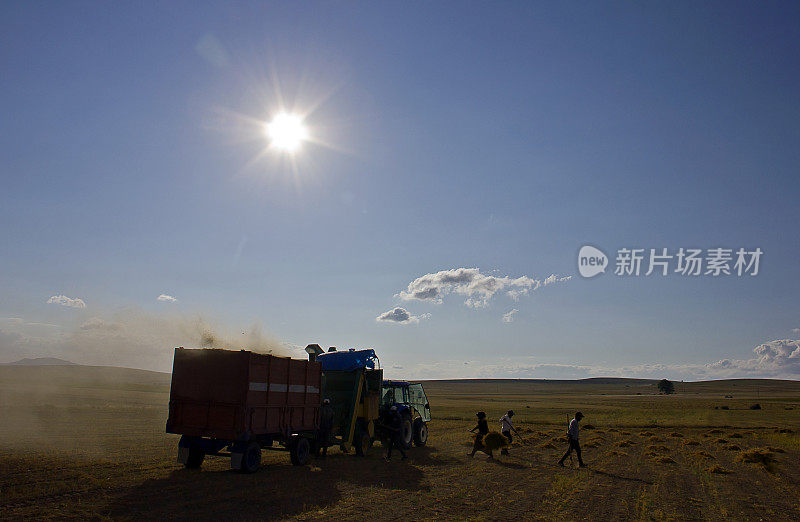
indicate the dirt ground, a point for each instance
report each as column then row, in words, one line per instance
column 78, row 443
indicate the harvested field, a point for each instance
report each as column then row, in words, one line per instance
column 718, row 469
column 90, row 443
column 762, row 456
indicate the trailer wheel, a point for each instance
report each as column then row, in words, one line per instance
column 300, row 451
column 195, row 458
column 251, row 459
column 420, row 432
column 407, row 432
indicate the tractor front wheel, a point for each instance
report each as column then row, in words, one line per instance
column 420, row 432
column 407, row 432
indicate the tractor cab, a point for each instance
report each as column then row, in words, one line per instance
column 413, row 406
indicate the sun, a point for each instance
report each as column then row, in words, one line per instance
column 286, row 132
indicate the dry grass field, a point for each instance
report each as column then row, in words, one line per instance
column 87, row 442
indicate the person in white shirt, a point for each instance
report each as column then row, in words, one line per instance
column 506, row 428
column 572, row 436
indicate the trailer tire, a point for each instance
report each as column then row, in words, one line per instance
column 251, row 458
column 299, row 451
column 420, row 432
column 195, row 458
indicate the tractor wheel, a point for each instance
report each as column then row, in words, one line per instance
column 195, row 459
column 420, row 432
column 407, row 431
column 300, row 451
column 251, row 458
column 361, row 443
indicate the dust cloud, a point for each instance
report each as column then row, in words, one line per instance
column 138, row 339
column 113, row 401
column 134, row 338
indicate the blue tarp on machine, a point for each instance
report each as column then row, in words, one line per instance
column 348, row 360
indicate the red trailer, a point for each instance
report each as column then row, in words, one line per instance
column 243, row 402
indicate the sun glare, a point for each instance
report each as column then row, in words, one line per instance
column 286, row 132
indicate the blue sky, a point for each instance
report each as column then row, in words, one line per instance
column 498, row 136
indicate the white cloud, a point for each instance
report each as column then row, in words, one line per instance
column 66, row 301
column 478, row 288
column 400, row 316
column 211, row 50
column 166, row 298
column 95, row 323
column 778, row 359
column 508, row 317
column 20, row 322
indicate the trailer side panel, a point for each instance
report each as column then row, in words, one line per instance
column 234, row 395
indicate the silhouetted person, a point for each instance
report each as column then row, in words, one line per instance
column 572, row 436
column 483, row 429
column 325, row 427
column 506, row 428
column 396, row 433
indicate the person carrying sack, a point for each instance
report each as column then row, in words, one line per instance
column 483, row 429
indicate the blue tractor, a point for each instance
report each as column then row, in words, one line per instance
column 413, row 406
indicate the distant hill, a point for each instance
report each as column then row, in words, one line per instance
column 59, row 378
column 738, row 388
column 42, row 361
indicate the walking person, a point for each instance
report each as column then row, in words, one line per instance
column 325, row 428
column 396, row 438
column 483, row 429
column 572, row 436
column 506, row 427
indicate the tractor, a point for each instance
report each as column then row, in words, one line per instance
column 413, row 406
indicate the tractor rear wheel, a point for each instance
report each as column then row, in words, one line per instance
column 251, row 458
column 300, row 451
column 420, row 432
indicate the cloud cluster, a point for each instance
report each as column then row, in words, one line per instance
column 775, row 358
column 508, row 317
column 478, row 288
column 66, row 301
column 166, row 298
column 779, row 359
column 400, row 316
